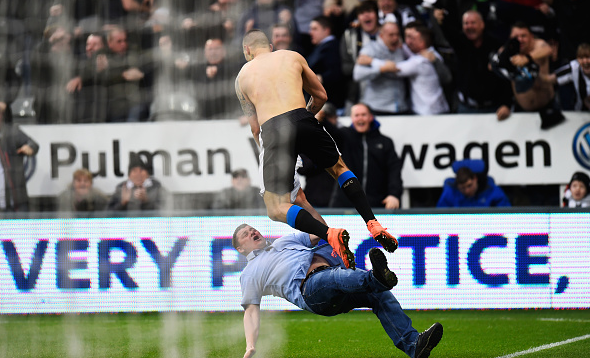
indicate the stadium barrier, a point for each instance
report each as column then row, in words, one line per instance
column 199, row 156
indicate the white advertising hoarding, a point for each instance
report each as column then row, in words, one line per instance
column 199, row 156
column 444, row 261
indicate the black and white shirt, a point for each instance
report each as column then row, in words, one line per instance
column 572, row 72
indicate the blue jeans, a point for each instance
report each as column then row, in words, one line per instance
column 337, row 290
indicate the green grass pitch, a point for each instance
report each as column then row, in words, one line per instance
column 467, row 333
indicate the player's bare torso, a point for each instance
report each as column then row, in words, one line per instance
column 271, row 84
column 541, row 93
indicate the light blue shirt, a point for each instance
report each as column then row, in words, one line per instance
column 279, row 269
column 384, row 92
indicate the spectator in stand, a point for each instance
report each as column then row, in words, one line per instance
column 130, row 14
column 577, row 192
column 372, row 157
column 241, row 194
column 325, row 60
column 52, row 66
column 174, row 88
column 479, row 90
column 15, row 145
column 524, row 59
column 537, row 13
column 82, row 17
column 391, row 11
column 10, row 81
column 381, row 89
column 578, row 73
column 263, row 14
column 219, row 20
column 81, row 195
column 303, row 12
column 89, row 95
column 173, row 69
column 87, row 15
column 573, row 25
column 471, row 187
column 341, row 13
column 140, row 191
column 425, row 71
column 215, row 83
column 282, row 39
column 341, row 7
column 123, row 78
column 361, row 33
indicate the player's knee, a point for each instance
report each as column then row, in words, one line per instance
column 273, row 213
column 337, row 169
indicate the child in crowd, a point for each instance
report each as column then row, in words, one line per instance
column 577, row 192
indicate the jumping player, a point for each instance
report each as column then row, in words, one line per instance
column 269, row 87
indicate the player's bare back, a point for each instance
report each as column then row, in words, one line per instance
column 272, row 82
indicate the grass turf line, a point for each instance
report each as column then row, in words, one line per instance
column 468, row 333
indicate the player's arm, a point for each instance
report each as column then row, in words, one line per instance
column 542, row 50
column 247, row 105
column 313, row 86
column 550, row 78
column 255, row 128
column 251, row 326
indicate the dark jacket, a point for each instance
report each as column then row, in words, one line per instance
column 216, row 96
column 474, row 79
column 325, row 61
column 11, row 139
column 157, row 198
column 372, row 158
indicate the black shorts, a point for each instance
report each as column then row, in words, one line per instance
column 287, row 135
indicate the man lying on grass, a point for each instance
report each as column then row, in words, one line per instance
column 292, row 267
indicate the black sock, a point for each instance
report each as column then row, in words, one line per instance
column 351, row 187
column 302, row 220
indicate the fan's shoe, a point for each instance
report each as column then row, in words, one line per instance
column 380, row 270
column 428, row 339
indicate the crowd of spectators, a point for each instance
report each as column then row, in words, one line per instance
column 118, row 60
column 110, row 61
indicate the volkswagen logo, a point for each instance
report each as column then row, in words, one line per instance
column 581, row 146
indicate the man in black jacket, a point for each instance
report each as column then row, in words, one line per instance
column 479, row 90
column 15, row 145
column 325, row 60
column 372, row 156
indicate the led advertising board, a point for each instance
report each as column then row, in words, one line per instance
column 444, row 261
